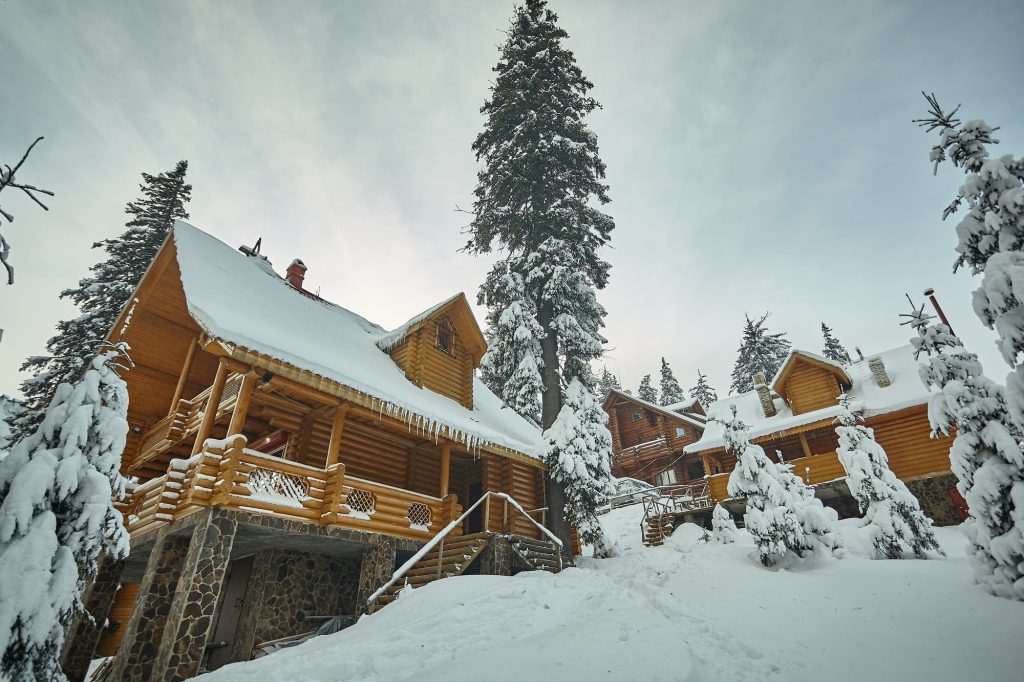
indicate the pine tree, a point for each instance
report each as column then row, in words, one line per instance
column 56, row 515
column 891, row 512
column 607, row 382
column 646, row 391
column 577, row 449
column 510, row 368
column 723, row 528
column 9, row 411
column 833, row 350
column 986, row 454
column 783, row 516
column 102, row 296
column 759, row 351
column 671, row 392
column 702, row 392
column 536, row 201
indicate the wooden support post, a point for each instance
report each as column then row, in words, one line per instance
column 446, row 461
column 805, row 445
column 487, row 514
column 183, row 379
column 440, row 556
column 707, row 465
column 212, row 405
column 245, row 392
column 504, row 516
column 338, row 428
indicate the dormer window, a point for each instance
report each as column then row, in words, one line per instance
column 445, row 337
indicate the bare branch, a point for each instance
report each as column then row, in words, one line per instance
column 7, row 179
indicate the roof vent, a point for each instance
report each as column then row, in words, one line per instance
column 296, row 273
column 767, row 404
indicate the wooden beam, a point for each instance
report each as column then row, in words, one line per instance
column 446, row 460
column 245, row 392
column 805, row 445
column 183, row 379
column 337, row 430
column 212, row 405
column 707, row 464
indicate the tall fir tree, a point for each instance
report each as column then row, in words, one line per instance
column 671, row 391
column 702, row 391
column 536, row 202
column 606, row 382
column 759, row 351
column 103, row 295
column 646, row 391
column 833, row 350
column 57, row 488
column 892, row 514
column 986, row 455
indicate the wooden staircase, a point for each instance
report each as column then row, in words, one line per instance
column 455, row 554
column 538, row 555
column 657, row 527
column 662, row 511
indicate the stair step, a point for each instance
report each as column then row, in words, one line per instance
column 446, row 568
column 531, row 542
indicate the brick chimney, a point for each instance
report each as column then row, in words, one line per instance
column 761, row 386
column 877, row 368
column 296, row 273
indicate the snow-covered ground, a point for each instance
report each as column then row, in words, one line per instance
column 685, row 611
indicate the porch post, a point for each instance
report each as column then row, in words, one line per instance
column 212, row 405
column 337, row 429
column 183, row 379
column 707, row 465
column 245, row 392
column 805, row 445
column 446, row 461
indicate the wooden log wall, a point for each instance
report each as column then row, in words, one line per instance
column 450, row 374
column 810, row 388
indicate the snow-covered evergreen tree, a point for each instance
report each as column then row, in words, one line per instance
column 511, row 366
column 538, row 190
column 723, row 528
column 8, row 179
column 898, row 526
column 759, row 351
column 702, row 391
column 101, row 296
column 56, row 516
column 9, row 411
column 833, row 350
column 986, row 455
column 578, row 450
column 671, row 391
column 783, row 516
column 646, row 391
column 606, row 382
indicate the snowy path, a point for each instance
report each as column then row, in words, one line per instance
column 685, row 611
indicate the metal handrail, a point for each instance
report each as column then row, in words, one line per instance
column 439, row 538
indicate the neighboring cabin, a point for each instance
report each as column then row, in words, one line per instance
column 794, row 417
column 289, row 454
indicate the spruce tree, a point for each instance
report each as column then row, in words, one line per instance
column 722, row 526
column 833, row 350
column 646, row 391
column 607, row 382
column 891, row 512
column 702, row 391
column 759, row 351
column 57, row 488
column 538, row 190
column 103, row 295
column 671, row 392
column 986, row 454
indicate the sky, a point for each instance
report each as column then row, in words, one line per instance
column 761, row 156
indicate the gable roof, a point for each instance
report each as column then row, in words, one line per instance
column 906, row 390
column 798, row 356
column 458, row 306
column 239, row 303
column 664, row 410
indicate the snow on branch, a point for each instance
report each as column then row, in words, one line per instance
column 7, row 179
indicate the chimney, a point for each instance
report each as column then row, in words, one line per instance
column 296, row 273
column 877, row 368
column 767, row 404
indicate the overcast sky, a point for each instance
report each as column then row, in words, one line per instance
column 761, row 156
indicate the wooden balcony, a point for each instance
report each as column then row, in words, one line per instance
column 228, row 475
column 813, row 470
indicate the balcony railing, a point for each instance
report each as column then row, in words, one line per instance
column 227, row 474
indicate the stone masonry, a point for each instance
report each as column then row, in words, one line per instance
column 86, row 628
column 933, row 494
column 376, row 569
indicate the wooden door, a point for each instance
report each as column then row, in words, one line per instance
column 475, row 521
column 230, row 612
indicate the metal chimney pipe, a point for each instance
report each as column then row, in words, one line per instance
column 930, row 293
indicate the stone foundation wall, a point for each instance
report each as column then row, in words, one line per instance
column 933, row 494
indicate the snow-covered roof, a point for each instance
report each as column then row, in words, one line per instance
column 662, row 409
column 398, row 334
column 235, row 300
column 906, row 390
column 682, row 406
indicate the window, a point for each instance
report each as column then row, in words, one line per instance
column 667, row 477
column 680, row 432
column 445, row 337
column 652, row 419
column 637, row 416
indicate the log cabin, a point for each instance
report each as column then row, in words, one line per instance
column 287, row 455
column 793, row 418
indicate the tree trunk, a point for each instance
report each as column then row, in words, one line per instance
column 551, row 405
